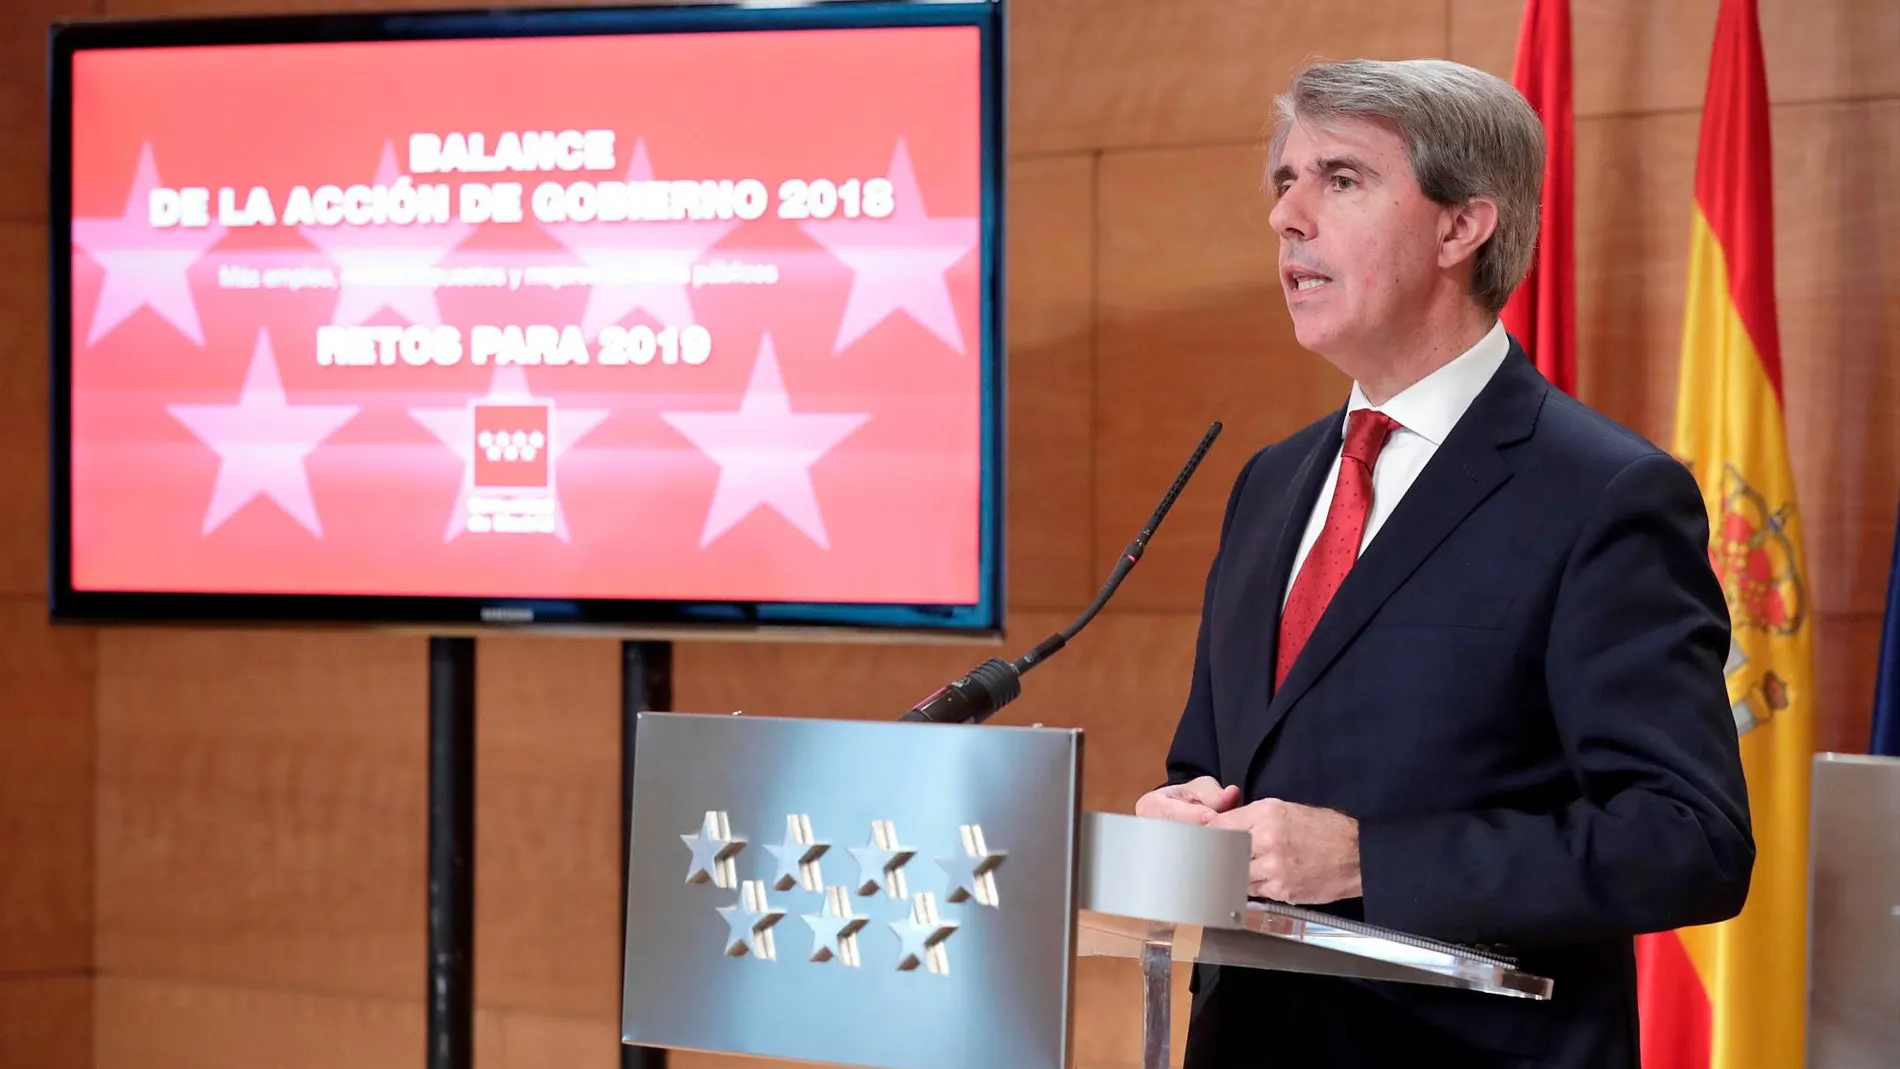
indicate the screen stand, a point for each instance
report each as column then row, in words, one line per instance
column 646, row 685
column 451, row 993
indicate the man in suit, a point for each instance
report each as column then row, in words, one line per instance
column 1460, row 665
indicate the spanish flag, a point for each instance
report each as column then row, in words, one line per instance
column 1542, row 312
column 1733, row 995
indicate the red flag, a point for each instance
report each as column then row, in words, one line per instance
column 1734, row 995
column 1542, row 314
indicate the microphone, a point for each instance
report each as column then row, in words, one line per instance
column 996, row 682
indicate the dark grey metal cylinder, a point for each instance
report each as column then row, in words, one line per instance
column 451, row 994
column 646, row 684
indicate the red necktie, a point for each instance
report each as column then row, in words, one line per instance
column 1338, row 547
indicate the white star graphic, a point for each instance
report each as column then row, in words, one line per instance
column 639, row 246
column 261, row 443
column 765, row 452
column 923, row 934
column 898, row 261
column 144, row 266
column 749, row 923
column 408, row 246
column 456, row 428
column 834, row 929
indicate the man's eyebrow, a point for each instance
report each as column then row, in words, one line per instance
column 1325, row 165
column 1346, row 162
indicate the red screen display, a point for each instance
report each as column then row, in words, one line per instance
column 673, row 317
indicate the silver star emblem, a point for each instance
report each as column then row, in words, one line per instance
column 750, row 922
column 798, row 856
column 835, row 930
column 923, row 935
column 973, row 872
column 713, row 850
column 881, row 864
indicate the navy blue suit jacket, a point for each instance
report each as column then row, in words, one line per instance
column 1518, row 692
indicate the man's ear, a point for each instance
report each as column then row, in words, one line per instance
column 1464, row 228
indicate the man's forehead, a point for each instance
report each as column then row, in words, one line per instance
column 1307, row 141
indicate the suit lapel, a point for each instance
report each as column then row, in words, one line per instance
column 1266, row 584
column 1467, row 468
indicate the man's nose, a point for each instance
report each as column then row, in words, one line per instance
column 1289, row 217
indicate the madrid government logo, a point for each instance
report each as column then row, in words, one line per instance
column 839, row 934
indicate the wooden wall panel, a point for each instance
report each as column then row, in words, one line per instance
column 547, row 825
column 46, row 1022
column 1635, row 181
column 47, row 730
column 23, row 102
column 145, row 1024
column 1051, row 264
column 1115, row 73
column 1821, row 50
column 1846, row 660
column 262, row 809
column 532, row 1041
column 854, row 680
column 182, row 8
column 162, row 1025
column 24, row 406
column 1630, row 56
column 1837, row 278
column 46, row 800
column 1642, row 57
column 1193, row 328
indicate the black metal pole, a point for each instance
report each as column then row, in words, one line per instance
column 646, row 684
column 451, row 995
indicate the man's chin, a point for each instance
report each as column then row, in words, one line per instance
column 1331, row 344
column 1314, row 336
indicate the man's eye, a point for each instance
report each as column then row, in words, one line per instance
column 1344, row 182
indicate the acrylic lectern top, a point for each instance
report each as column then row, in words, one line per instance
column 1149, row 884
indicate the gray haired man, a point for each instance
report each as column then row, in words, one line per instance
column 1460, row 668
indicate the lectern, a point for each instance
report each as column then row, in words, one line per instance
column 914, row 896
column 1854, row 912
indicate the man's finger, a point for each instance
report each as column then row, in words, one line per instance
column 1262, row 869
column 1166, row 807
column 1208, row 791
column 1243, row 819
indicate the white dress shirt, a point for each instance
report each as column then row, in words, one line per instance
column 1426, row 412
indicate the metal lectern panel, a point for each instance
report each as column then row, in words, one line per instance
column 904, row 896
column 1854, row 913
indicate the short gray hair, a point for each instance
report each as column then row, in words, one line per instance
column 1468, row 134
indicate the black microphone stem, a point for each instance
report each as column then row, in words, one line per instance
column 995, row 683
column 1129, row 558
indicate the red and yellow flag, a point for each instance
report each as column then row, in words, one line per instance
column 1733, row 995
column 1542, row 312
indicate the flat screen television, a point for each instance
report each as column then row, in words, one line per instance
column 643, row 319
